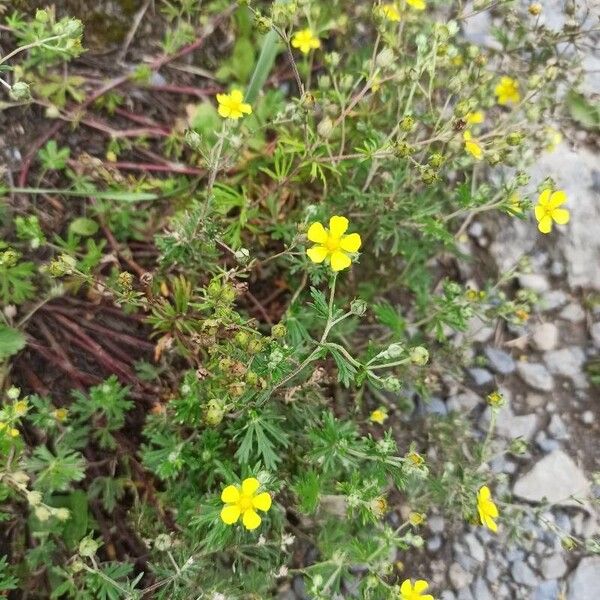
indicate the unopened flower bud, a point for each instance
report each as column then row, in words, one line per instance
column 34, row 498
column 42, row 513
column 162, row 542
column 419, row 355
column 325, row 128
column 88, row 547
column 407, row 123
column 392, row 384
column 20, row 91
column 62, row 514
column 279, row 330
column 514, row 139
column 385, row 58
column 358, row 307
column 13, row 393
column 535, row 9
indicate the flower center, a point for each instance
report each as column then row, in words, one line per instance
column 332, row 244
column 245, row 503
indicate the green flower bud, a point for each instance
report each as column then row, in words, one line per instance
column 402, row 149
column 436, row 160
column 278, row 330
column 358, row 307
column 241, row 339
column 325, row 128
column 419, row 355
column 214, row 413
column 262, row 24
column 392, row 384
column 428, row 175
column 62, row 514
column 88, row 547
column 255, row 346
column 193, row 139
column 163, row 542
column 514, row 139
column 20, row 92
column 13, row 393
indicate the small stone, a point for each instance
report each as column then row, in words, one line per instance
column 459, row 578
column 545, row 443
column 588, row 417
column 553, row 299
column 435, row 406
column 534, row 281
column 475, row 229
column 464, row 402
column 509, row 425
column 447, row 595
column 573, row 312
column 585, row 581
column 478, row 330
column 568, row 362
column 481, row 377
column 476, row 550
column 522, row 573
column 536, row 375
column 500, row 361
column 557, row 428
column 492, row 571
column 553, row 567
column 595, row 333
column 465, row 594
column 434, row 543
column 436, row 524
column 481, row 591
column 554, row 478
column 548, row 590
column 535, row 400
column 545, row 336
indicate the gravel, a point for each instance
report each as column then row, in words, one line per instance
column 584, row 584
column 545, row 336
column 500, row 361
column 536, row 375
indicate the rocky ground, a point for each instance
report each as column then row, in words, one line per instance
column 542, row 368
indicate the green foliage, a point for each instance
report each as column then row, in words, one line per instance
column 265, row 363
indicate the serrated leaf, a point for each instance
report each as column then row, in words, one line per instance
column 11, row 341
column 319, row 302
column 346, row 370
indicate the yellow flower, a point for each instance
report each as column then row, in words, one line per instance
column 243, row 501
column 416, row 518
column 507, row 91
column 417, row 4
column 472, row 146
column 495, row 399
column 332, row 244
column 60, row 414
column 415, row 458
column 20, row 408
column 232, row 106
column 390, row 12
column 379, row 416
column 408, row 591
column 547, row 210
column 475, row 117
column 488, row 511
column 378, row 506
column 306, row 40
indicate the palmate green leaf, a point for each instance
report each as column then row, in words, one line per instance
column 319, row 302
column 389, row 316
column 56, row 472
column 346, row 370
column 11, row 341
column 261, row 435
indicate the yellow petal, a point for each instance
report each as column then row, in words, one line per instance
column 222, row 98
column 230, row 494
column 406, row 587
column 484, row 493
column 250, row 485
column 490, row 524
column 245, row 108
column 351, row 243
column 544, row 197
column 262, row 501
column 230, row 514
column 545, row 224
column 338, row 226
column 340, row 261
column 251, row 520
column 540, row 212
column 420, row 586
column 491, row 509
column 559, row 197
column 236, row 96
column 224, row 110
column 317, row 253
column 561, row 216
column 316, row 233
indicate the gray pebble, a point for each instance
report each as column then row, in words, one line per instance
column 548, row 590
column 480, row 376
column 436, row 524
column 481, row 591
column 553, row 299
column 536, row 375
column 557, row 428
column 500, row 361
column 534, row 281
column 459, row 578
column 588, row 417
column 553, row 567
column 573, row 312
column 595, row 333
column 434, row 543
column 522, row 573
column 476, row 550
column 545, row 336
